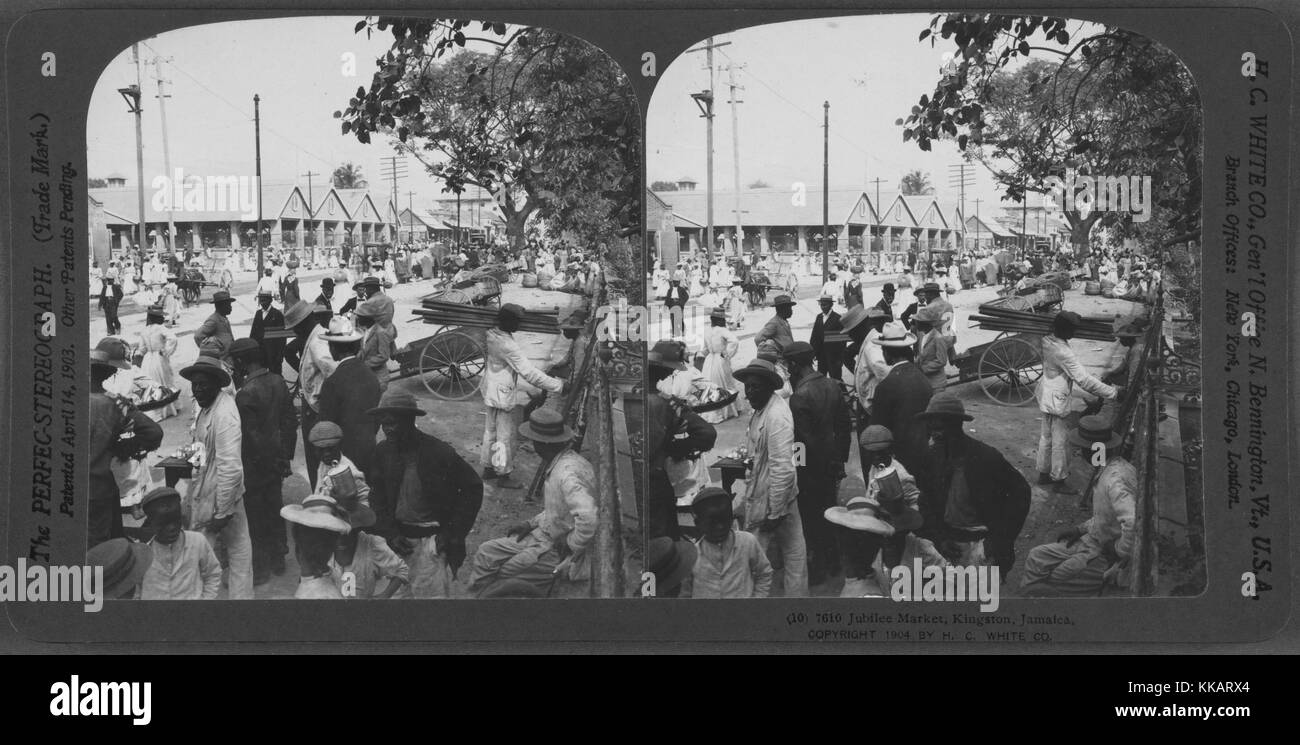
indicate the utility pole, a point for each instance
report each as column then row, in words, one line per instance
column 410, row 210
column 705, row 101
column 877, row 210
column 959, row 176
column 311, row 214
column 735, row 152
column 1024, row 216
column 257, row 143
column 167, row 161
column 131, row 94
column 395, row 170
column 977, row 222
column 826, row 189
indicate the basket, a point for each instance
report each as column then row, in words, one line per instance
column 1092, row 288
column 530, row 280
column 726, row 401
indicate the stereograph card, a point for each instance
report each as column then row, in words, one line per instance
column 888, row 325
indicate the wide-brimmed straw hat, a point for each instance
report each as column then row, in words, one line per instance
column 1094, row 428
column 929, row 314
column 207, row 364
column 297, row 313
column 894, row 334
column 341, row 331
column 852, row 317
column 318, row 511
column 947, row 407
column 124, row 562
column 860, row 514
column 546, row 425
column 760, row 368
column 397, row 402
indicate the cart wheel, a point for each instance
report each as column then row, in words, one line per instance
column 1009, row 370
column 451, row 364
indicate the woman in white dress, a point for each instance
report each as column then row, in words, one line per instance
column 697, row 280
column 661, row 280
column 735, row 304
column 720, row 345
column 157, row 343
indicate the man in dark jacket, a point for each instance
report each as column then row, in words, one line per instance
column 672, row 430
column 886, row 301
column 266, row 318
column 326, row 296
column 969, row 492
column 830, row 354
column 821, row 426
column 110, row 418
column 904, row 393
column 269, row 430
column 349, row 393
column 425, row 496
column 676, row 298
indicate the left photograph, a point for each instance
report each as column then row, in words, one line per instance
column 344, row 282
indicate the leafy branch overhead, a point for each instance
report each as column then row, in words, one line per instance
column 1031, row 99
column 544, row 123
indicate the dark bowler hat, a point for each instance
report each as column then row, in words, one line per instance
column 397, row 402
column 546, row 425
column 155, row 311
column 782, row 300
column 948, row 407
column 1094, row 428
column 759, row 369
column 799, row 350
column 666, row 353
column 221, row 296
column 124, row 563
column 931, row 287
column 265, row 293
column 327, row 282
column 888, row 287
column 670, row 561
column 207, row 364
column 110, row 352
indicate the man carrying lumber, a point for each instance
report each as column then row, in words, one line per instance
column 506, row 363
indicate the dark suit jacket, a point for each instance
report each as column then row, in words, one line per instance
column 904, row 393
column 998, row 492
column 821, row 423
column 451, row 488
column 270, row 426
column 272, row 348
column 887, row 308
column 829, row 356
column 345, row 397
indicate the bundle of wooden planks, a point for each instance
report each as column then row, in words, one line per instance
column 993, row 317
column 443, row 313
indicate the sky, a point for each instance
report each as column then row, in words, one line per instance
column 295, row 66
column 787, row 71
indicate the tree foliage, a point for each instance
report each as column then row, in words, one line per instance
column 663, row 186
column 1031, row 100
column 543, row 122
column 915, row 183
column 348, row 176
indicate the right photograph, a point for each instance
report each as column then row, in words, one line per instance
column 925, row 301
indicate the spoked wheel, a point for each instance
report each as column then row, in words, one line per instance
column 1009, row 370
column 452, row 364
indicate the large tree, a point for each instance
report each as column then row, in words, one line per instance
column 545, row 123
column 915, row 183
column 1031, row 101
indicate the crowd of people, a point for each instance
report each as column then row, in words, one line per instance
column 788, row 515
column 390, row 506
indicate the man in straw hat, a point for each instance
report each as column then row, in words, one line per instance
column 215, row 336
column 552, row 544
column 730, row 563
column 311, row 352
column 349, row 393
column 776, row 332
column 934, row 349
column 771, row 507
column 862, row 527
column 118, row 431
column 184, row 566
column 1061, row 372
column 318, row 523
column 821, row 426
column 363, row 566
column 124, row 563
column 903, row 393
column 379, row 340
column 973, row 501
column 506, row 364
column 426, row 497
column 269, row 436
column 1086, row 558
column 265, row 319
column 829, row 354
column 215, row 499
